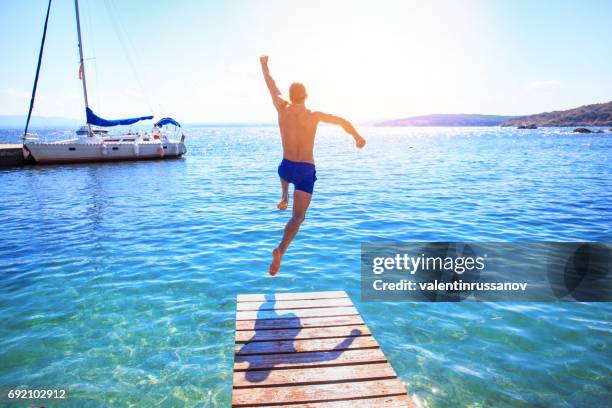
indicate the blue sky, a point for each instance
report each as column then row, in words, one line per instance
column 198, row 60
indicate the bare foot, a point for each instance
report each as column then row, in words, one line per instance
column 276, row 261
column 282, row 204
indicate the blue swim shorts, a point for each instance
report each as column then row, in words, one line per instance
column 302, row 175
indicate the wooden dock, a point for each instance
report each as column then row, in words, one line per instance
column 309, row 350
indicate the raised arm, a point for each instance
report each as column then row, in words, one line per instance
column 346, row 125
column 274, row 91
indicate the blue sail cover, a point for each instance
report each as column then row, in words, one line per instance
column 94, row 119
column 167, row 121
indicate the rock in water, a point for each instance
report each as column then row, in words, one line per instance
column 582, row 130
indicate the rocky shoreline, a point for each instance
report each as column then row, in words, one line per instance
column 596, row 115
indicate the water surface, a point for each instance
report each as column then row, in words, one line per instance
column 119, row 280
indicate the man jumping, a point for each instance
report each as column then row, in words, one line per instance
column 298, row 127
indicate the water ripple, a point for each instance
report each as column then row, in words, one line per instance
column 120, row 279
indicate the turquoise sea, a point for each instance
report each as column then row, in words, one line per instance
column 119, row 280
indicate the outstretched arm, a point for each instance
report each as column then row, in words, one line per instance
column 346, row 125
column 274, row 91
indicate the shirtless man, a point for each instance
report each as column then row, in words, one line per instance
column 298, row 127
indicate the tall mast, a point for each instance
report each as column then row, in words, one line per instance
column 82, row 66
column 40, row 55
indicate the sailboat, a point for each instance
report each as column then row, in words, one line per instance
column 93, row 142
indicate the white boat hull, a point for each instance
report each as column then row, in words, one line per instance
column 66, row 152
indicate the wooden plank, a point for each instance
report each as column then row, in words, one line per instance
column 244, row 397
column 299, row 313
column 294, row 304
column 300, row 346
column 299, row 323
column 316, row 375
column 309, row 350
column 397, row 401
column 293, row 296
column 321, row 358
column 310, row 333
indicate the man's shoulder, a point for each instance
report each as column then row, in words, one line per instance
column 314, row 113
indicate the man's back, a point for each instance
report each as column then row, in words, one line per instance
column 298, row 127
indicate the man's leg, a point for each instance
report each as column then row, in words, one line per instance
column 284, row 202
column 301, row 201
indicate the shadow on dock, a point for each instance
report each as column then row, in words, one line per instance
column 259, row 364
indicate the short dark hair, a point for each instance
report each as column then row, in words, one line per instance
column 297, row 92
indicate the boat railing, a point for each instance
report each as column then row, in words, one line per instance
column 31, row 136
column 50, row 137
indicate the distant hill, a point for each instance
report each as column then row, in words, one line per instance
column 448, row 120
column 18, row 121
column 599, row 114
